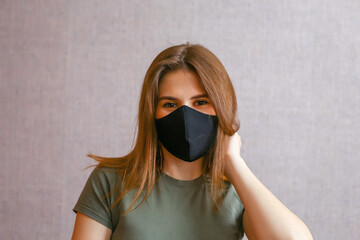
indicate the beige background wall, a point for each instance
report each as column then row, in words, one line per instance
column 70, row 79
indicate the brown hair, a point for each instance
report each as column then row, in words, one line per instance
column 142, row 166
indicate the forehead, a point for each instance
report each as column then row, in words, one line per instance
column 180, row 82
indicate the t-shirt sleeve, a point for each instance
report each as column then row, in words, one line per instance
column 240, row 212
column 94, row 200
column 240, row 223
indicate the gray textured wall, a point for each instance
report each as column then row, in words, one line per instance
column 70, row 78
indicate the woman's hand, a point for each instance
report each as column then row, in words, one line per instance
column 233, row 146
column 232, row 155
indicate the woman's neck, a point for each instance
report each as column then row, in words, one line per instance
column 180, row 169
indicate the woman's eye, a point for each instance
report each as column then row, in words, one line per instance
column 169, row 105
column 201, row 102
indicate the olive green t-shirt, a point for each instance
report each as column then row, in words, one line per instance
column 175, row 210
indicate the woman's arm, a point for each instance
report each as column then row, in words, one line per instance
column 87, row 228
column 265, row 217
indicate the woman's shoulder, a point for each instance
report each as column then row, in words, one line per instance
column 106, row 175
column 224, row 178
column 227, row 184
column 106, row 169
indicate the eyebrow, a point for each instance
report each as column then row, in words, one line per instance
column 174, row 98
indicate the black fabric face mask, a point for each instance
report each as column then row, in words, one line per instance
column 187, row 133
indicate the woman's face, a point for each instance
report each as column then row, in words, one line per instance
column 182, row 87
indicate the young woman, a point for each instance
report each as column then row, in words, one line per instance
column 185, row 178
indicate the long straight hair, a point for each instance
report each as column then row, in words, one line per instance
column 140, row 169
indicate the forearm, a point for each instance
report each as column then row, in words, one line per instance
column 269, row 218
